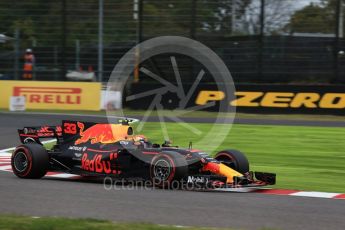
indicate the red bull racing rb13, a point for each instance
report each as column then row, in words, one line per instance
column 113, row 150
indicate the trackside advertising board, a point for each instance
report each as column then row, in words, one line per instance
column 256, row 98
column 52, row 95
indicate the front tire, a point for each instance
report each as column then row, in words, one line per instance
column 234, row 159
column 167, row 169
column 30, row 161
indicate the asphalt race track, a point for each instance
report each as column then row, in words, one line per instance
column 56, row 197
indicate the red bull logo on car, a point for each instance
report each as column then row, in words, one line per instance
column 98, row 164
column 103, row 133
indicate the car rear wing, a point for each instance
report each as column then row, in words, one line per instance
column 34, row 134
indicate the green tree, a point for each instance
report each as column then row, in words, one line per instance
column 175, row 16
column 314, row 18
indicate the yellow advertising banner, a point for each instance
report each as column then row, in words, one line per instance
column 52, row 95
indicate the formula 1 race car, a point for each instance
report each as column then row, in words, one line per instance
column 113, row 150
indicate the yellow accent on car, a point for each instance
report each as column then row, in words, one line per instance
column 228, row 172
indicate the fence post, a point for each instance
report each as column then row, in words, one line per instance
column 192, row 19
column 336, row 41
column 100, row 40
column 77, row 54
column 16, row 54
column 63, row 39
column 140, row 21
column 233, row 16
column 56, row 62
column 261, row 39
column 341, row 19
column 138, row 15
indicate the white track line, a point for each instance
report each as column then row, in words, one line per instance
column 63, row 175
column 5, row 168
column 7, row 150
column 316, row 194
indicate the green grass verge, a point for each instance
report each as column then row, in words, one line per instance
column 185, row 113
column 55, row 223
column 306, row 158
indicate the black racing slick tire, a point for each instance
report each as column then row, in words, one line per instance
column 234, row 159
column 30, row 161
column 168, row 169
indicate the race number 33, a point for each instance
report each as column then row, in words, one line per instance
column 70, row 128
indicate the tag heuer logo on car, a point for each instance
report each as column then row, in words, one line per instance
column 76, row 148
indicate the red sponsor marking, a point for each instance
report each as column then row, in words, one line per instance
column 49, row 95
column 47, row 134
column 341, row 196
column 60, row 90
column 48, row 99
column 49, row 129
column 195, row 150
column 150, row 153
column 97, row 164
column 101, row 151
column 276, row 191
column 44, row 131
column 70, row 128
column 28, row 135
column 212, row 167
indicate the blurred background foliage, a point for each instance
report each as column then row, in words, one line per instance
column 259, row 40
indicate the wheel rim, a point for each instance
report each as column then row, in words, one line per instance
column 162, row 170
column 20, row 162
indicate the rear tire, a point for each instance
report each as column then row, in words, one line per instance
column 168, row 169
column 234, row 159
column 30, row 161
